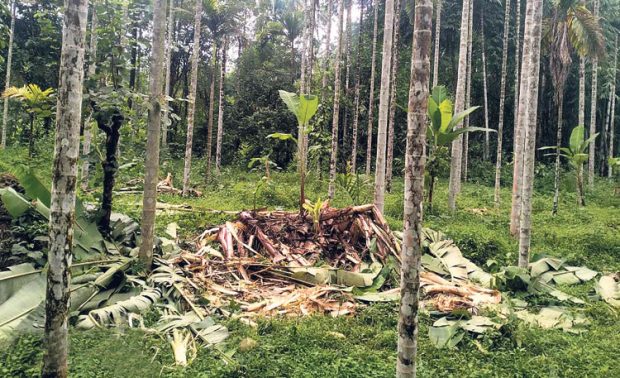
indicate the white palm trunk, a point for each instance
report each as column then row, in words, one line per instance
column 151, row 168
column 485, row 91
column 64, row 180
column 92, row 68
column 468, row 95
column 525, row 230
column 459, row 105
column 384, row 103
column 612, row 115
column 593, row 103
column 502, row 102
column 211, row 110
column 393, row 95
column 356, row 112
column 7, row 80
column 191, row 104
column 336, row 111
column 220, row 113
column 517, row 175
column 166, row 120
column 327, row 42
column 347, row 88
column 437, row 40
column 371, row 101
column 415, row 161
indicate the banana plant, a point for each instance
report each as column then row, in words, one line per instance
column 37, row 102
column 442, row 131
column 304, row 107
column 577, row 154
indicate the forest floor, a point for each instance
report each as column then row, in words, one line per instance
column 364, row 345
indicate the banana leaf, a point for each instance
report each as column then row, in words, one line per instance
column 609, row 290
column 117, row 313
column 24, row 309
column 14, row 278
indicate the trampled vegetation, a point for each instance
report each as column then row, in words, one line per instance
column 309, row 188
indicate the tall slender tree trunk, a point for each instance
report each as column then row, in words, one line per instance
column 356, row 113
column 485, row 91
column 525, row 230
column 556, row 180
column 371, row 101
column 211, row 110
column 193, row 87
column 581, row 118
column 603, row 146
column 415, row 161
column 593, row 103
column 517, row 174
column 92, row 68
column 459, row 105
column 220, row 112
column 151, row 168
column 384, row 103
column 336, row 111
column 326, row 59
column 393, row 96
column 436, row 56
column 612, row 116
column 347, row 88
column 518, row 49
column 7, row 80
column 133, row 59
column 470, row 49
column 306, row 41
column 64, row 179
column 502, row 101
column 169, row 43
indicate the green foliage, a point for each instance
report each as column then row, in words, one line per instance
column 577, row 151
column 443, row 123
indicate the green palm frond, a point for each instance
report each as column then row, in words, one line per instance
column 585, row 32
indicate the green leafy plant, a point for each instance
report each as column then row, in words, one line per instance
column 353, row 183
column 304, row 107
column 314, row 209
column 37, row 102
column 442, row 131
column 577, row 154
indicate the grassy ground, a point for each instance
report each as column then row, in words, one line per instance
column 364, row 345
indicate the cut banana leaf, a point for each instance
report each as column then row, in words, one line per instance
column 14, row 278
column 14, row 203
column 24, row 310
column 609, row 290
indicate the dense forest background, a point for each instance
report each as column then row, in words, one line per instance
column 263, row 49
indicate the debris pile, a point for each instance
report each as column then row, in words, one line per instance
column 167, row 186
column 326, row 262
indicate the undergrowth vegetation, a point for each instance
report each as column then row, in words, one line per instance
column 364, row 345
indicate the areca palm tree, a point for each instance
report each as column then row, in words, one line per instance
column 292, row 27
column 221, row 21
column 572, row 27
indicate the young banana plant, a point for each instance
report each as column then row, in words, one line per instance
column 442, row 131
column 304, row 107
column 577, row 154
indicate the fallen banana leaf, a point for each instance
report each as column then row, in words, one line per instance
column 608, row 287
column 553, row 270
column 384, row 296
column 14, row 278
column 555, row 317
column 117, row 313
column 445, row 336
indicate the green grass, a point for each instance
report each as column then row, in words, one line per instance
column 309, row 348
